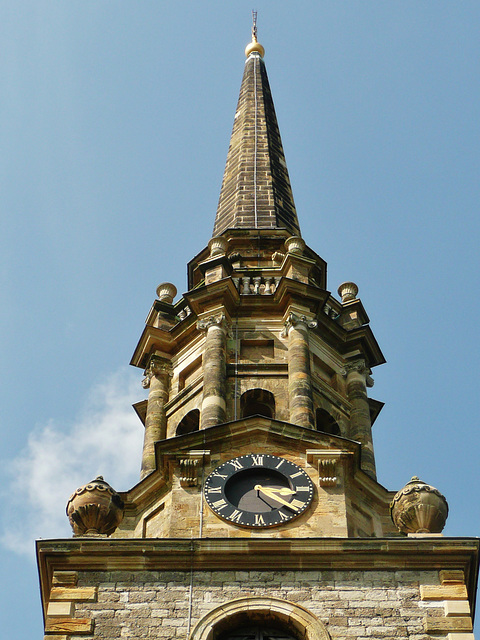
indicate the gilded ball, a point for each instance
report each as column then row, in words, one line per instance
column 254, row 46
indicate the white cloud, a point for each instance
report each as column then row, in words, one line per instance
column 106, row 439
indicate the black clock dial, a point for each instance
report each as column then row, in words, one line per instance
column 258, row 490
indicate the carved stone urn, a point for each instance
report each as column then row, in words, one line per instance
column 218, row 246
column 95, row 509
column 166, row 292
column 295, row 245
column 419, row 508
column 348, row 291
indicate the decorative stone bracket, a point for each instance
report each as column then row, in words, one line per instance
column 190, row 465
column 326, row 462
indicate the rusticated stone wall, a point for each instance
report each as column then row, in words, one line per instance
column 351, row 604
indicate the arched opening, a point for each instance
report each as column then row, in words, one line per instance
column 325, row 422
column 189, row 423
column 257, row 402
column 260, row 618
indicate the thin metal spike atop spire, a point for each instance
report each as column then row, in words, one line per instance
column 254, row 25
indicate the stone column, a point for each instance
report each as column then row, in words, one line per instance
column 299, row 377
column 358, row 378
column 214, row 370
column 157, row 377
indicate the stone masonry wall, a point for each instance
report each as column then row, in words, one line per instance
column 352, row 604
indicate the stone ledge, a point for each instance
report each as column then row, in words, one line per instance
column 443, row 625
column 65, row 578
column 68, row 625
column 444, row 592
column 457, row 608
column 74, row 594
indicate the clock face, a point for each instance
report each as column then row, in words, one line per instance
column 258, row 490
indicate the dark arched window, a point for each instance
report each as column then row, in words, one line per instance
column 257, row 402
column 190, row 422
column 325, row 422
column 257, row 633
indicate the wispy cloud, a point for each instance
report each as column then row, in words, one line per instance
column 106, row 439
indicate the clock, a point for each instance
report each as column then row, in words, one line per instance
column 258, row 490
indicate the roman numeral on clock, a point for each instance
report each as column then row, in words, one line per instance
column 215, row 474
column 295, row 475
column 214, row 489
column 259, row 519
column 298, row 504
column 257, row 460
column 219, row 504
column 236, row 515
column 236, row 464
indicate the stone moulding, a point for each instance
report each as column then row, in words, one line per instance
column 150, row 554
column 273, row 608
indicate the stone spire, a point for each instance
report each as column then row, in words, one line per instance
column 256, row 191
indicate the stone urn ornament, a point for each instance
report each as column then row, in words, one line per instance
column 95, row 509
column 419, row 508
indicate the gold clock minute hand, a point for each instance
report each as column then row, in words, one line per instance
column 268, row 491
column 283, row 491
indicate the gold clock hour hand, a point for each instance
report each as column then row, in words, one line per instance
column 270, row 494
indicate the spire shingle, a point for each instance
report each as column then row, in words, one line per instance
column 256, row 191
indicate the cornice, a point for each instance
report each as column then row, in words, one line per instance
column 152, row 339
column 337, row 554
column 222, row 292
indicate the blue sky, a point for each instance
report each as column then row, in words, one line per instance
column 115, row 120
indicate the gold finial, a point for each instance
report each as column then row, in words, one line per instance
column 254, row 45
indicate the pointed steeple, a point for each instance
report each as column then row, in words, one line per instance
column 256, row 191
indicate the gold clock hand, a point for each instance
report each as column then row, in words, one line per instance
column 267, row 491
column 283, row 491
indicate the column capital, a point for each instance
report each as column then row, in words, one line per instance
column 218, row 320
column 157, row 366
column 293, row 319
column 359, row 366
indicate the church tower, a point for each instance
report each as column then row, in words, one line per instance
column 258, row 513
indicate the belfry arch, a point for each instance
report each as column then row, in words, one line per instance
column 292, row 619
column 257, row 402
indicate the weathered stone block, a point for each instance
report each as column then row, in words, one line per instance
column 69, row 625
column 444, row 592
column 457, row 608
column 77, row 594
column 443, row 624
